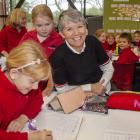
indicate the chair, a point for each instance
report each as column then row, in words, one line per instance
column 123, row 75
column 136, row 80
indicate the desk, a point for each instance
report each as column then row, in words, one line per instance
column 94, row 124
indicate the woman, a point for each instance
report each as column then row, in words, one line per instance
column 81, row 60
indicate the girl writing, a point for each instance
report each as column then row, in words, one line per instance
column 20, row 98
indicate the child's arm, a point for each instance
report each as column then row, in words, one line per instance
column 13, row 135
column 38, row 135
column 17, row 124
column 35, row 102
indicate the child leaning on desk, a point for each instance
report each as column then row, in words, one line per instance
column 20, row 98
column 126, row 53
column 81, row 60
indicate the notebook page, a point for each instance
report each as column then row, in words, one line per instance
column 63, row 126
column 123, row 124
column 113, row 135
column 123, row 120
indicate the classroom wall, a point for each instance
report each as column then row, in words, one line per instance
column 121, row 15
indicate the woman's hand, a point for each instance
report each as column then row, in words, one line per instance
column 98, row 88
column 17, row 124
column 40, row 135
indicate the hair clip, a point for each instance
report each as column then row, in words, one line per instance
column 38, row 61
column 2, row 62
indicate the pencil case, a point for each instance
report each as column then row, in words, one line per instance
column 124, row 101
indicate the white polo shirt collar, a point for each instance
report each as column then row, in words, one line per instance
column 73, row 50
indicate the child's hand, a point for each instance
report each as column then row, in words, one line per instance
column 136, row 51
column 40, row 135
column 17, row 124
column 109, row 53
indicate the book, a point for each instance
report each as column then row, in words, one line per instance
column 68, row 101
column 63, row 126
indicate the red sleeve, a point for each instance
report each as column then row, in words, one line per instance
column 13, row 135
column 113, row 46
column 34, row 105
column 122, row 58
column 3, row 39
column 128, row 57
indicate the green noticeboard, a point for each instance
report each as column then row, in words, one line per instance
column 121, row 15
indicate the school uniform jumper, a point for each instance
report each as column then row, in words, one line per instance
column 78, row 69
column 13, row 104
column 112, row 47
column 49, row 44
column 105, row 46
column 127, row 56
column 10, row 37
column 138, row 44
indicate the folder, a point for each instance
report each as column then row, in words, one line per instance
column 69, row 100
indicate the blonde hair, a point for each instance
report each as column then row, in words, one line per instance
column 110, row 35
column 70, row 15
column 98, row 32
column 28, row 52
column 15, row 17
column 41, row 10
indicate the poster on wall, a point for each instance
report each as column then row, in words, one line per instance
column 121, row 16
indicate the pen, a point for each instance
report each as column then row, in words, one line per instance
column 32, row 126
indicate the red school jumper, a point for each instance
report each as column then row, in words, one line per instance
column 13, row 104
column 10, row 37
column 113, row 46
column 49, row 44
column 127, row 56
column 105, row 45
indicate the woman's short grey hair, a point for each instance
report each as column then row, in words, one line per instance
column 71, row 15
